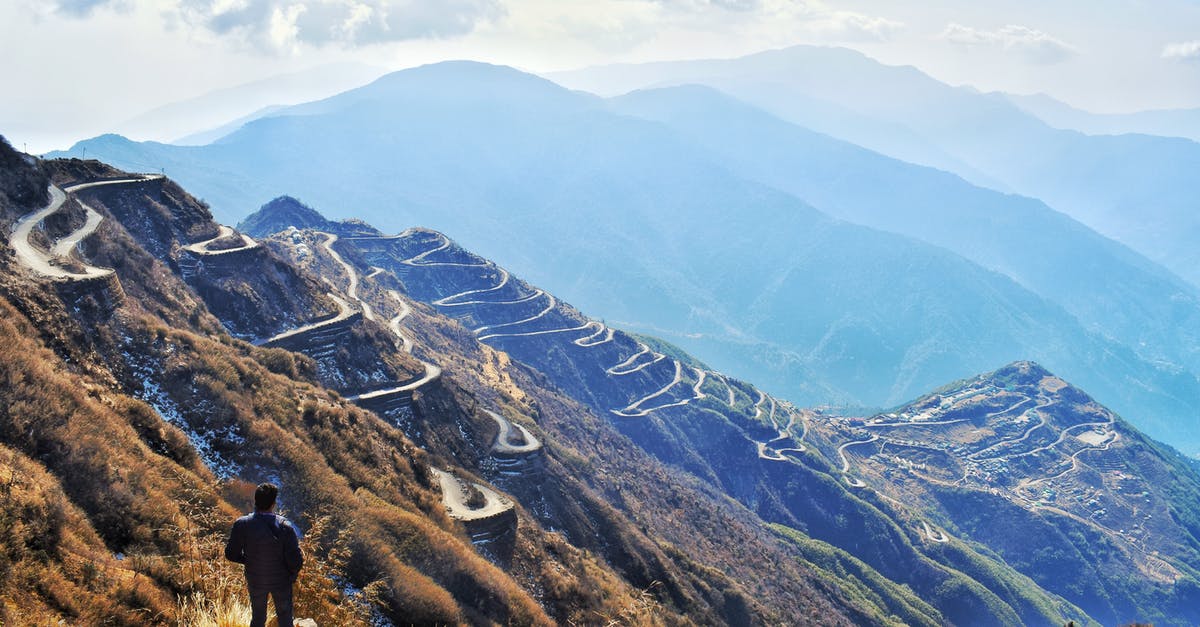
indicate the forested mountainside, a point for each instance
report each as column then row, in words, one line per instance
column 823, row 272
column 829, row 482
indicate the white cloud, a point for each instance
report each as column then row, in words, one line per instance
column 792, row 19
column 1184, row 50
column 1031, row 44
column 699, row 5
column 848, row 26
column 285, row 24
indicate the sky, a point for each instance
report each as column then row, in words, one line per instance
column 73, row 69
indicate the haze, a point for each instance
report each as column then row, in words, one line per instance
column 77, row 68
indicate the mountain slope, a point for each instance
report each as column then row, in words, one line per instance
column 182, row 404
column 1109, row 288
column 1004, row 437
column 1164, row 122
column 625, row 218
column 136, row 411
column 487, row 493
column 1137, row 189
column 623, row 378
column 194, row 117
column 1062, row 489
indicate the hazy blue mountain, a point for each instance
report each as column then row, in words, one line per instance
column 211, row 135
column 1110, row 288
column 1165, row 122
column 198, row 115
column 1138, row 189
column 815, row 87
column 627, row 219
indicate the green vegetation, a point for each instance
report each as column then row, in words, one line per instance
column 890, row 602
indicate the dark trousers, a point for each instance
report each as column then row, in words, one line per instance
column 282, row 594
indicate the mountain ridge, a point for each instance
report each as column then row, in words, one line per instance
column 1103, row 181
column 579, row 171
column 543, row 341
column 603, row 493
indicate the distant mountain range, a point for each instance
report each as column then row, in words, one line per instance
column 639, row 210
column 206, row 117
column 1108, row 287
column 1164, row 122
column 1137, row 189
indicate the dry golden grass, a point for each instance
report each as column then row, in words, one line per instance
column 199, row 610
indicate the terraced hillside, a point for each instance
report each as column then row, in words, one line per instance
column 132, row 419
column 920, row 479
column 775, row 254
column 1059, row 486
column 511, row 459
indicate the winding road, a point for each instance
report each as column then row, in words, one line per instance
column 700, row 376
column 846, row 460
column 532, row 333
column 765, row 450
column 419, row 260
column 550, row 304
column 64, row 246
column 732, row 398
column 352, row 290
column 344, row 312
column 633, row 409
column 43, row 263
column 601, row 330
column 1115, row 436
column 1008, row 443
column 504, row 437
column 204, row 247
column 455, row 498
column 405, row 343
column 505, row 276
column 934, row 535
column 622, row 368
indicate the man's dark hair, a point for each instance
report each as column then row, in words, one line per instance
column 264, row 496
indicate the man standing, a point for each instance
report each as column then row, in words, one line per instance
column 267, row 544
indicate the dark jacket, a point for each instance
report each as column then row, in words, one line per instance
column 267, row 544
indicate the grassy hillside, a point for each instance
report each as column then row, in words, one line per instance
column 131, row 387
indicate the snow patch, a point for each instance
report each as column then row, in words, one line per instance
column 204, row 443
